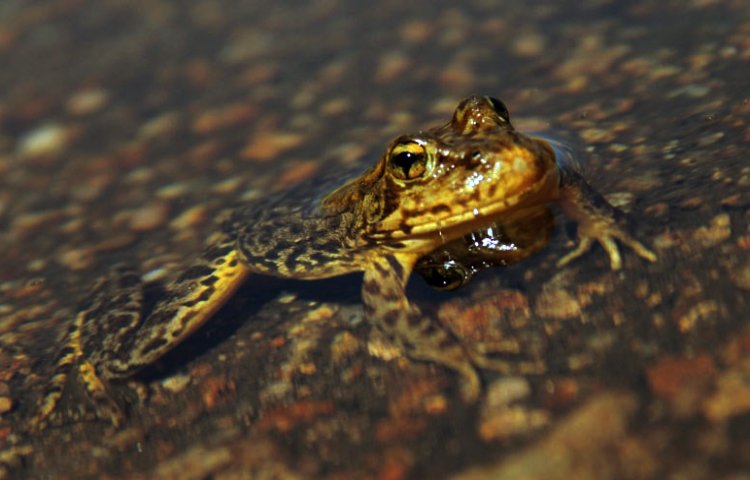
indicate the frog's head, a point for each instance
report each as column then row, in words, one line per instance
column 448, row 180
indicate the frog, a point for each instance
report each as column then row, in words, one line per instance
column 429, row 193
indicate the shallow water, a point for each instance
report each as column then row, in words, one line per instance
column 127, row 128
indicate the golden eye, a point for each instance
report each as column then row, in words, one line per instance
column 408, row 161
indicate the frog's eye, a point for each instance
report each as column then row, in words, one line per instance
column 499, row 108
column 408, row 161
column 446, row 276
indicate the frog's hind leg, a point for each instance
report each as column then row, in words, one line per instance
column 115, row 334
column 197, row 294
column 115, row 300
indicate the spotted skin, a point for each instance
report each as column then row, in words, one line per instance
column 428, row 191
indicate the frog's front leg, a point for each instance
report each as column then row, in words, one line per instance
column 597, row 220
column 421, row 337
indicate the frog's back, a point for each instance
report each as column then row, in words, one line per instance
column 292, row 234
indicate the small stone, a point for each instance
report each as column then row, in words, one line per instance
column 267, row 146
column 149, row 217
column 416, row 31
column 46, row 139
column 176, row 383
column 155, row 275
column 173, row 190
column 217, row 390
column 221, row 118
column 390, row 66
column 160, row 126
column 297, row 173
column 228, row 185
column 597, row 135
column 501, row 418
column 718, row 231
column 741, row 276
column 458, row 75
column 530, row 44
column 77, row 259
column 557, row 303
column 189, row 218
column 6, row 404
column 344, row 346
column 732, row 394
column 35, row 220
column 681, row 380
column 87, row 101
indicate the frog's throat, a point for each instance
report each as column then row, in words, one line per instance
column 455, row 226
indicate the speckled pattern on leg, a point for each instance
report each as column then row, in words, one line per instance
column 386, row 307
column 113, row 338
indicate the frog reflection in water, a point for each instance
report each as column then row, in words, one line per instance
column 428, row 193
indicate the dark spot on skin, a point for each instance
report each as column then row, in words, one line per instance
column 440, row 208
column 493, row 189
column 210, row 281
column 233, row 263
column 428, row 328
column 218, row 251
column 372, row 288
column 413, row 319
column 297, row 252
column 206, row 294
column 54, row 389
column 196, row 271
column 391, row 296
column 283, row 245
column 319, row 258
column 391, row 317
column 382, row 271
column 129, row 280
column 294, row 229
column 186, row 319
column 64, row 352
column 154, row 344
column 369, row 309
column 407, row 345
column 396, row 266
column 121, row 320
column 446, row 342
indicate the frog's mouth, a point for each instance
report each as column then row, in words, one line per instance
column 426, row 235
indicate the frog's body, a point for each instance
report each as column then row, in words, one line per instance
column 428, row 190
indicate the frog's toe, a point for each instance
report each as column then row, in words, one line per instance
column 105, row 407
column 508, row 367
column 471, row 386
column 640, row 249
column 583, row 246
column 607, row 236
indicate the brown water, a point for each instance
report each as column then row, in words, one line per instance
column 127, row 127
